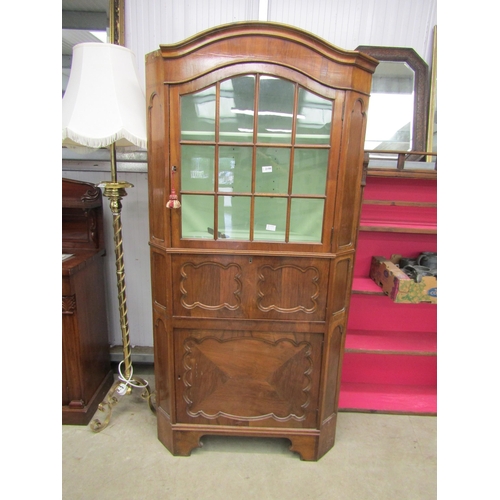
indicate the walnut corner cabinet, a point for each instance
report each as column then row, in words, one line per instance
column 256, row 130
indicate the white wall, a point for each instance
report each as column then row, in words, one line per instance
column 345, row 23
column 149, row 23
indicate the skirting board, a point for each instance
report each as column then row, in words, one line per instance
column 140, row 354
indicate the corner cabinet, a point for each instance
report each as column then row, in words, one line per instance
column 257, row 129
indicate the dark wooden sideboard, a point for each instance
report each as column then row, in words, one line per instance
column 258, row 129
column 86, row 370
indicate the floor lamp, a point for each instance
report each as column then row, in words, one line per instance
column 104, row 106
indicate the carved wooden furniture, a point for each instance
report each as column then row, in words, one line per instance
column 86, row 371
column 258, row 130
column 390, row 362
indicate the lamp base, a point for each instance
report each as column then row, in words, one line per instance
column 115, row 191
column 119, row 389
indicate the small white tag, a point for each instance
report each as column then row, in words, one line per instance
column 267, row 168
column 270, row 227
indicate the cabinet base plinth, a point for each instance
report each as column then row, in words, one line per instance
column 182, row 439
column 84, row 414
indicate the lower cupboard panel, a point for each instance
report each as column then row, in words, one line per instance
column 254, row 379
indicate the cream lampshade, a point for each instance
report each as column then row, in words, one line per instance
column 104, row 102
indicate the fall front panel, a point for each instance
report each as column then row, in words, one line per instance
column 266, row 379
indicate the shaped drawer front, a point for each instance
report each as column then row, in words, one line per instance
column 250, row 287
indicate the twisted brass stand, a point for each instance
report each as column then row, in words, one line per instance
column 115, row 191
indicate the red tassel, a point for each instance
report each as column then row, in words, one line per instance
column 173, row 201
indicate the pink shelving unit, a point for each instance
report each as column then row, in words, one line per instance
column 390, row 361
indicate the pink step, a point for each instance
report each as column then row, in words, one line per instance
column 390, row 342
column 370, row 312
column 385, row 398
column 400, row 189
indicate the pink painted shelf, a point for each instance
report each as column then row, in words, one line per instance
column 366, row 285
column 409, row 190
column 390, row 361
column 390, row 226
column 389, row 342
column 388, row 398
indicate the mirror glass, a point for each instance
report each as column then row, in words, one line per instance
column 397, row 116
column 392, row 100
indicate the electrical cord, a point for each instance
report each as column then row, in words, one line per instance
column 122, row 388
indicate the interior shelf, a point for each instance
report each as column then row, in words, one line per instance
column 398, row 228
column 391, row 342
column 366, row 286
column 388, row 398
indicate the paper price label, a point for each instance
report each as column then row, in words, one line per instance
column 267, row 168
column 270, row 227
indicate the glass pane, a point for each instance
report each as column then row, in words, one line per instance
column 235, row 169
column 270, row 219
column 237, row 109
column 198, row 115
column 390, row 122
column 234, row 217
column 275, row 110
column 197, row 168
column 273, row 167
column 306, row 220
column 309, row 171
column 197, row 216
column 314, row 119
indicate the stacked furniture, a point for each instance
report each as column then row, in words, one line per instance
column 86, row 370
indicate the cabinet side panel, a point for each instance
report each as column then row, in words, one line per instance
column 333, row 348
column 341, row 281
column 163, row 357
column 159, row 285
column 156, row 149
column 351, row 172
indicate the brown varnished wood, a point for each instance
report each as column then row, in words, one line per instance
column 249, row 335
column 86, row 370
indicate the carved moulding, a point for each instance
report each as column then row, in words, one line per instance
column 215, row 370
column 308, row 290
column 198, row 279
column 68, row 304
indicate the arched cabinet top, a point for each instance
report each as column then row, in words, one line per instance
column 265, row 43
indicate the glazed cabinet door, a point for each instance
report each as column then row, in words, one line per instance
column 254, row 161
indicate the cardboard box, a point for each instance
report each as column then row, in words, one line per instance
column 398, row 286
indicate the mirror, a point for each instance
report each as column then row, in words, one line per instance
column 82, row 21
column 399, row 100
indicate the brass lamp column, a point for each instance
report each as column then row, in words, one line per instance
column 115, row 191
column 104, row 106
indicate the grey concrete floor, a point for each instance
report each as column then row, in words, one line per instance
column 375, row 457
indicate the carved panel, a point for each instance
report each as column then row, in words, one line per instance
column 68, row 304
column 221, row 378
column 211, row 286
column 288, row 289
